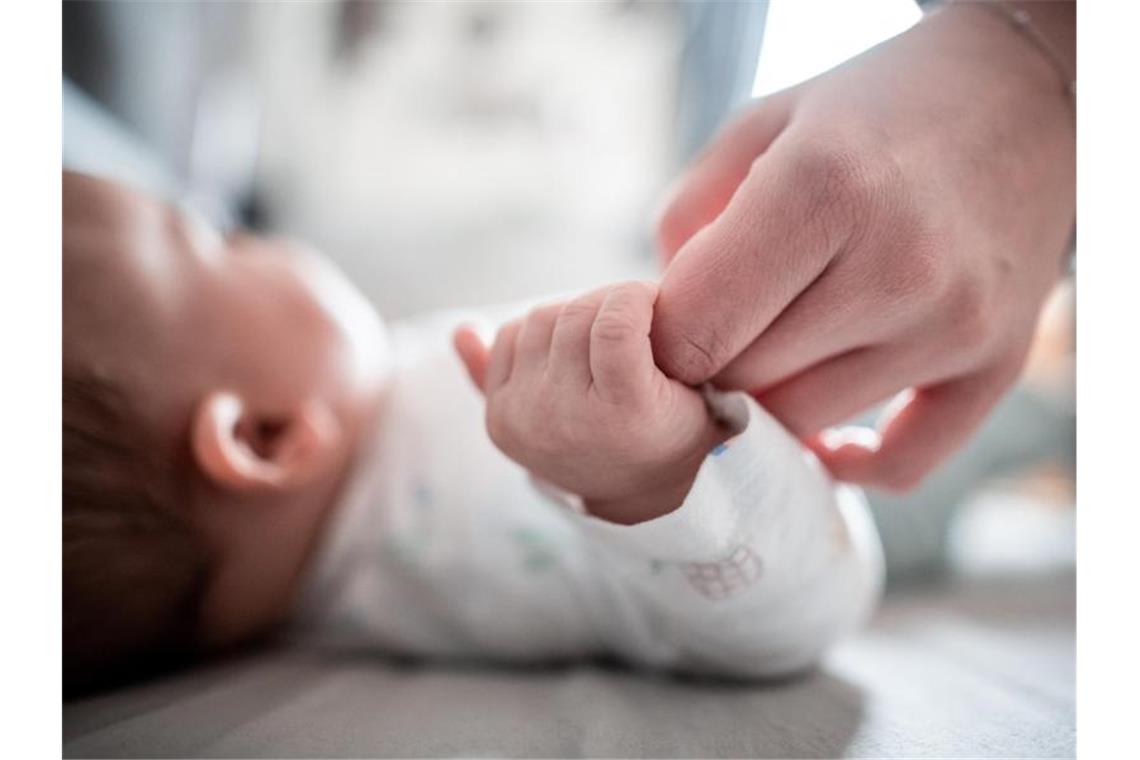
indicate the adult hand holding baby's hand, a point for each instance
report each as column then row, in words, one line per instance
column 892, row 225
column 573, row 395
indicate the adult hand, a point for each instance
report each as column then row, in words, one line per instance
column 892, row 225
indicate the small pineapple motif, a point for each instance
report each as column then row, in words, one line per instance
column 720, row 580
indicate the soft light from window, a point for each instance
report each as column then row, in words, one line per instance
column 803, row 38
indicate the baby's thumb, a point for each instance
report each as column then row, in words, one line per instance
column 474, row 354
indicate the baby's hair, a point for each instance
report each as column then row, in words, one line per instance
column 133, row 572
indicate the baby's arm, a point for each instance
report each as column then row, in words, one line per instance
column 738, row 557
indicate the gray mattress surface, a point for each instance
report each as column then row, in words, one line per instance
column 978, row 669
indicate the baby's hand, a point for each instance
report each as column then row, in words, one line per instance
column 573, row 395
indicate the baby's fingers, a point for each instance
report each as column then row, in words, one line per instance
column 532, row 348
column 621, row 360
column 570, row 344
column 502, row 360
column 473, row 352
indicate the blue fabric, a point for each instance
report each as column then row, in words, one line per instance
column 718, row 66
column 94, row 142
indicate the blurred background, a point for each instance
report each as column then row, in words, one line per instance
column 472, row 153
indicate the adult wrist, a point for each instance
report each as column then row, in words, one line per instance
column 1040, row 36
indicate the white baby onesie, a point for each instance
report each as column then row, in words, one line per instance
column 442, row 546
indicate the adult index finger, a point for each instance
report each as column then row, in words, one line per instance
column 789, row 218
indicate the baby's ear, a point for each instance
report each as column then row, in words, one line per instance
column 239, row 448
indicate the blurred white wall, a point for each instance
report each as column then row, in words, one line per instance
column 469, row 153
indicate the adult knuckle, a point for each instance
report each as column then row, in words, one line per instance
column 925, row 268
column 834, row 179
column 915, row 275
column 849, row 181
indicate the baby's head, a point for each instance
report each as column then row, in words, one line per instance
column 214, row 391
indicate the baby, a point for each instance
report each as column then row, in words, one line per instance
column 245, row 445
